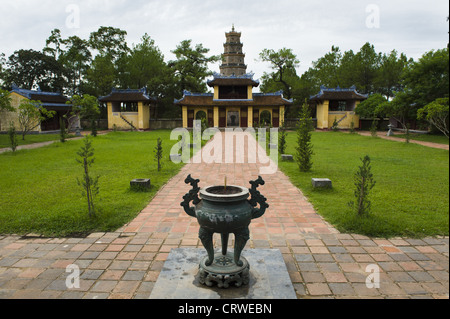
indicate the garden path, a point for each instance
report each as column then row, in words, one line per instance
column 397, row 139
column 42, row 144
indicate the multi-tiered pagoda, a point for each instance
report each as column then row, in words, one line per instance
column 233, row 57
column 233, row 103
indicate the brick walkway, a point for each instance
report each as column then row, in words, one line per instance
column 322, row 263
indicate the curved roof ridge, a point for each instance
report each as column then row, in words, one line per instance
column 338, row 92
column 127, row 94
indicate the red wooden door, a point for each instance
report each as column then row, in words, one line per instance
column 276, row 118
column 222, row 118
column 244, row 117
column 210, row 118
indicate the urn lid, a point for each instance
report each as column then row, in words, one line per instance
column 220, row 194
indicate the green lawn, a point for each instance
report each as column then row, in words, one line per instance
column 411, row 197
column 29, row 139
column 39, row 192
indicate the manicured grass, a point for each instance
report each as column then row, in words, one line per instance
column 39, row 190
column 411, row 197
column 29, row 139
column 440, row 139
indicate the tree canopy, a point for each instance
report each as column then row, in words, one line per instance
column 191, row 66
column 283, row 63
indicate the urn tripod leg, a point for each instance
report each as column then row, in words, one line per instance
column 206, row 236
column 241, row 238
column 225, row 238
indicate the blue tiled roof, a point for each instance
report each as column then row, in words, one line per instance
column 29, row 93
column 188, row 93
column 208, row 98
column 127, row 94
column 279, row 93
column 344, row 93
column 47, row 99
column 245, row 76
column 246, row 79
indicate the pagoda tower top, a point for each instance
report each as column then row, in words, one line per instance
column 233, row 58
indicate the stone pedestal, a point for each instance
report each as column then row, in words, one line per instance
column 287, row 158
column 322, row 183
column 140, row 184
column 180, row 277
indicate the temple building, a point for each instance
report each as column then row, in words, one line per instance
column 129, row 109
column 338, row 106
column 55, row 102
column 233, row 103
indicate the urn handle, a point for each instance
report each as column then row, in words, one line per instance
column 257, row 198
column 191, row 196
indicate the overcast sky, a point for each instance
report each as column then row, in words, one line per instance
column 309, row 28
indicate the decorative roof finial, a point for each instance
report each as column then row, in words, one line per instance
column 232, row 29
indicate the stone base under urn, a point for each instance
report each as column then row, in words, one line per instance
column 180, row 279
column 224, row 272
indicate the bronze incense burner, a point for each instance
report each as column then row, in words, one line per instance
column 225, row 210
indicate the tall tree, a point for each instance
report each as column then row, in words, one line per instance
column 269, row 83
column 29, row 69
column 54, row 44
column 327, row 68
column 110, row 62
column 75, row 61
column 101, row 76
column 144, row 65
column 146, row 68
column 191, row 67
column 388, row 79
column 283, row 63
column 428, row 78
column 370, row 62
column 109, row 41
column 348, row 69
column 307, row 86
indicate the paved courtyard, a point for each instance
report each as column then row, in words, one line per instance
column 322, row 263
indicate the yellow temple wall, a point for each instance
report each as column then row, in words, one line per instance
column 116, row 122
column 7, row 117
